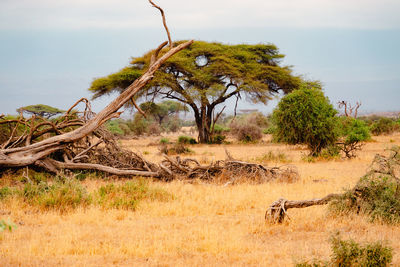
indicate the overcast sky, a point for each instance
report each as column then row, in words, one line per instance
column 50, row 50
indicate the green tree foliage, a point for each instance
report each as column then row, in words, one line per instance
column 162, row 110
column 40, row 110
column 205, row 75
column 306, row 116
column 352, row 132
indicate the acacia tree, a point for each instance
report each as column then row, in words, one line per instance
column 40, row 110
column 205, row 75
column 162, row 110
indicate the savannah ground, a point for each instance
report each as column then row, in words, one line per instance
column 204, row 224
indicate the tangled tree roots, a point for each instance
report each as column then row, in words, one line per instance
column 376, row 194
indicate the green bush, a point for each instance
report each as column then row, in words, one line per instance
column 113, row 127
column 220, row 129
column 384, row 126
column 128, row 195
column 183, row 139
column 257, row 118
column 306, row 116
column 377, row 194
column 350, row 253
column 347, row 253
column 376, row 197
column 140, row 125
column 352, row 132
column 172, row 124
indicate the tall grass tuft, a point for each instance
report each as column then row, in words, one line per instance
column 128, row 195
column 62, row 195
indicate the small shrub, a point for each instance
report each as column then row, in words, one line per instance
column 350, row 253
column 384, row 126
column 269, row 130
column 377, row 194
column 218, row 139
column 128, row 195
column 164, row 141
column 257, row 118
column 220, row 129
column 172, row 125
column 274, row 157
column 377, row 197
column 352, row 132
column 154, row 129
column 177, row 148
column 347, row 253
column 180, row 148
column 113, row 127
column 183, row 139
column 139, row 126
column 330, row 152
column 246, row 132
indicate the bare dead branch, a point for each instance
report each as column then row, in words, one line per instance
column 138, row 108
column 164, row 22
column 154, row 56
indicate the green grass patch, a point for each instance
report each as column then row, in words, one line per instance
column 128, row 195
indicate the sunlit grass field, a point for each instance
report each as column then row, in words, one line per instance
column 202, row 224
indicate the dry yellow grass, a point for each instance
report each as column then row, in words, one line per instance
column 205, row 225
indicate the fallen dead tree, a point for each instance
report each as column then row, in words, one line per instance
column 377, row 194
column 63, row 144
column 77, row 141
column 229, row 171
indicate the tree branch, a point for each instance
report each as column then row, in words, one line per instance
column 164, row 22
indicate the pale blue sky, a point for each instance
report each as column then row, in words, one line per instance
column 50, row 51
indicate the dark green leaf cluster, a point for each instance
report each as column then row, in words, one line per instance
column 306, row 116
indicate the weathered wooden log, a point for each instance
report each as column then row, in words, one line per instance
column 277, row 211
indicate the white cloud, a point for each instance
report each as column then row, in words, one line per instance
column 360, row 14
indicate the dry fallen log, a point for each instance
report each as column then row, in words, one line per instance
column 277, row 210
column 381, row 184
